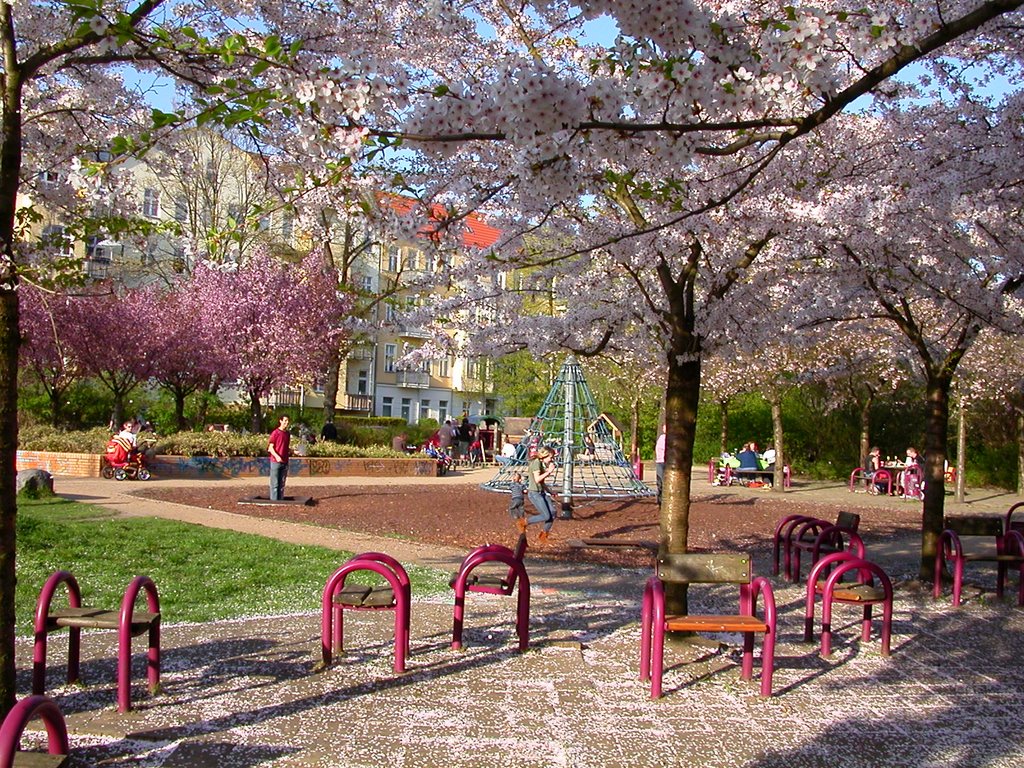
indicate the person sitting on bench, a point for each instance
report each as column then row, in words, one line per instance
column 748, row 458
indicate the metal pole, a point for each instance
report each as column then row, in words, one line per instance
column 568, row 434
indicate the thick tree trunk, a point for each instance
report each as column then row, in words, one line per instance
column 682, row 395
column 933, row 510
column 10, row 338
column 779, row 476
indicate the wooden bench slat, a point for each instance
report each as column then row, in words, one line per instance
column 712, row 623
column 705, row 568
column 95, row 618
column 359, row 595
column 975, row 525
column 38, row 760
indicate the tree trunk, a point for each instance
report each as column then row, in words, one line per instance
column 179, row 409
column 634, row 430
column 1020, row 452
column 10, row 338
column 961, row 454
column 865, row 430
column 682, row 396
column 937, row 426
column 779, row 476
column 723, row 406
column 331, row 385
column 255, row 413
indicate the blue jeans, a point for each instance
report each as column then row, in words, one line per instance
column 542, row 503
column 278, row 474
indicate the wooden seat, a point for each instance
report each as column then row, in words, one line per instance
column 707, row 569
column 863, row 592
column 338, row 597
column 506, row 576
column 21, row 715
column 1003, row 546
column 75, row 617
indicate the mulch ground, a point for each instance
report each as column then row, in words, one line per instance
column 465, row 516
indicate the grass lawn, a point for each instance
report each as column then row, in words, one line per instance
column 201, row 573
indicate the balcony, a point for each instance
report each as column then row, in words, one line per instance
column 360, row 353
column 415, row 379
column 362, row 403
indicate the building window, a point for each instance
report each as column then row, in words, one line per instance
column 412, row 258
column 442, row 411
column 48, row 178
column 390, row 313
column 286, row 226
column 264, row 223
column 390, row 350
column 366, row 284
column 181, row 209
column 425, row 367
column 406, row 408
column 386, row 406
column 442, row 368
column 151, row 203
column 424, row 409
column 148, row 255
column 363, row 382
column 393, row 259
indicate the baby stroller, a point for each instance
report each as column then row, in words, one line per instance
column 122, row 461
column 444, row 461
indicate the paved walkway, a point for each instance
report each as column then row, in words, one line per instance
column 244, row 693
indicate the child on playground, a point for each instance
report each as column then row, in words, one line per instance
column 516, row 502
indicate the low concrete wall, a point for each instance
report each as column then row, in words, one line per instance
column 89, row 465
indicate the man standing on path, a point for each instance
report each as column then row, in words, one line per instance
column 278, row 448
column 659, row 460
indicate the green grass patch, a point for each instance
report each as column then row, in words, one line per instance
column 201, row 573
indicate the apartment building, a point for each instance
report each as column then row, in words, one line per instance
column 204, row 197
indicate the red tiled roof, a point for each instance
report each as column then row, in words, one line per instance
column 476, row 233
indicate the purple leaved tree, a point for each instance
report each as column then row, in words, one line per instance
column 46, row 350
column 274, row 322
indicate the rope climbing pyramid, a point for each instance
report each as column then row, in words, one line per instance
column 590, row 463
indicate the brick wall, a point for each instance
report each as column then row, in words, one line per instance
column 89, row 465
column 66, row 464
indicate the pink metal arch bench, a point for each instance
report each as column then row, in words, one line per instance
column 21, row 715
column 127, row 621
column 339, row 597
column 707, row 569
column 880, row 477
column 863, row 592
column 1007, row 550
column 494, row 582
column 796, row 533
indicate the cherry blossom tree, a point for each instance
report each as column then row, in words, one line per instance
column 109, row 337
column 45, row 350
column 184, row 347
column 931, row 242
column 274, row 322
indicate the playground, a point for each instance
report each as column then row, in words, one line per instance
column 246, row 693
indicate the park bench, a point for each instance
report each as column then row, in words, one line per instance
column 825, row 579
column 745, row 476
column 879, row 478
column 506, row 576
column 707, row 569
column 21, row 715
column 805, row 533
column 987, row 539
column 127, row 621
column 339, row 596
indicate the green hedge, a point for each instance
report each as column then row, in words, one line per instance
column 221, row 444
